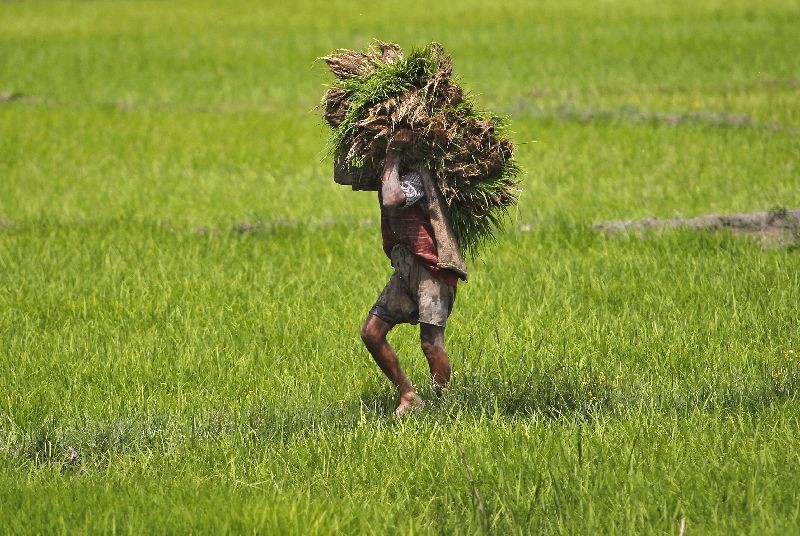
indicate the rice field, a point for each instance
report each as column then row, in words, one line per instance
column 182, row 284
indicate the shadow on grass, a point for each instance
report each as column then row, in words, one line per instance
column 482, row 395
column 554, row 395
column 583, row 395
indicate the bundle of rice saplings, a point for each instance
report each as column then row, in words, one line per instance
column 379, row 91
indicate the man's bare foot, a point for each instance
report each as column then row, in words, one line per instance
column 408, row 403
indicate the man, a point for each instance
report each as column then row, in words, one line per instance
column 418, row 239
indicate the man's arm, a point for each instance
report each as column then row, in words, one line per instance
column 391, row 193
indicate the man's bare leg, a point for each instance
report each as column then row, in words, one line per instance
column 432, row 340
column 373, row 333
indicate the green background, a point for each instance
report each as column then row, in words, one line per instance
column 182, row 283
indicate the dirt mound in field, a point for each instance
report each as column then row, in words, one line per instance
column 775, row 227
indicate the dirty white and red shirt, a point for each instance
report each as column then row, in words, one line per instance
column 410, row 225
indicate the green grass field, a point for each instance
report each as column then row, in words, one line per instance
column 182, row 283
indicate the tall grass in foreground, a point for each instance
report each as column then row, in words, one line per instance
column 180, row 379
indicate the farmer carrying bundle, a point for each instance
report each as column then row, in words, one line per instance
column 380, row 91
column 445, row 178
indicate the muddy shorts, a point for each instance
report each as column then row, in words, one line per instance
column 412, row 294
